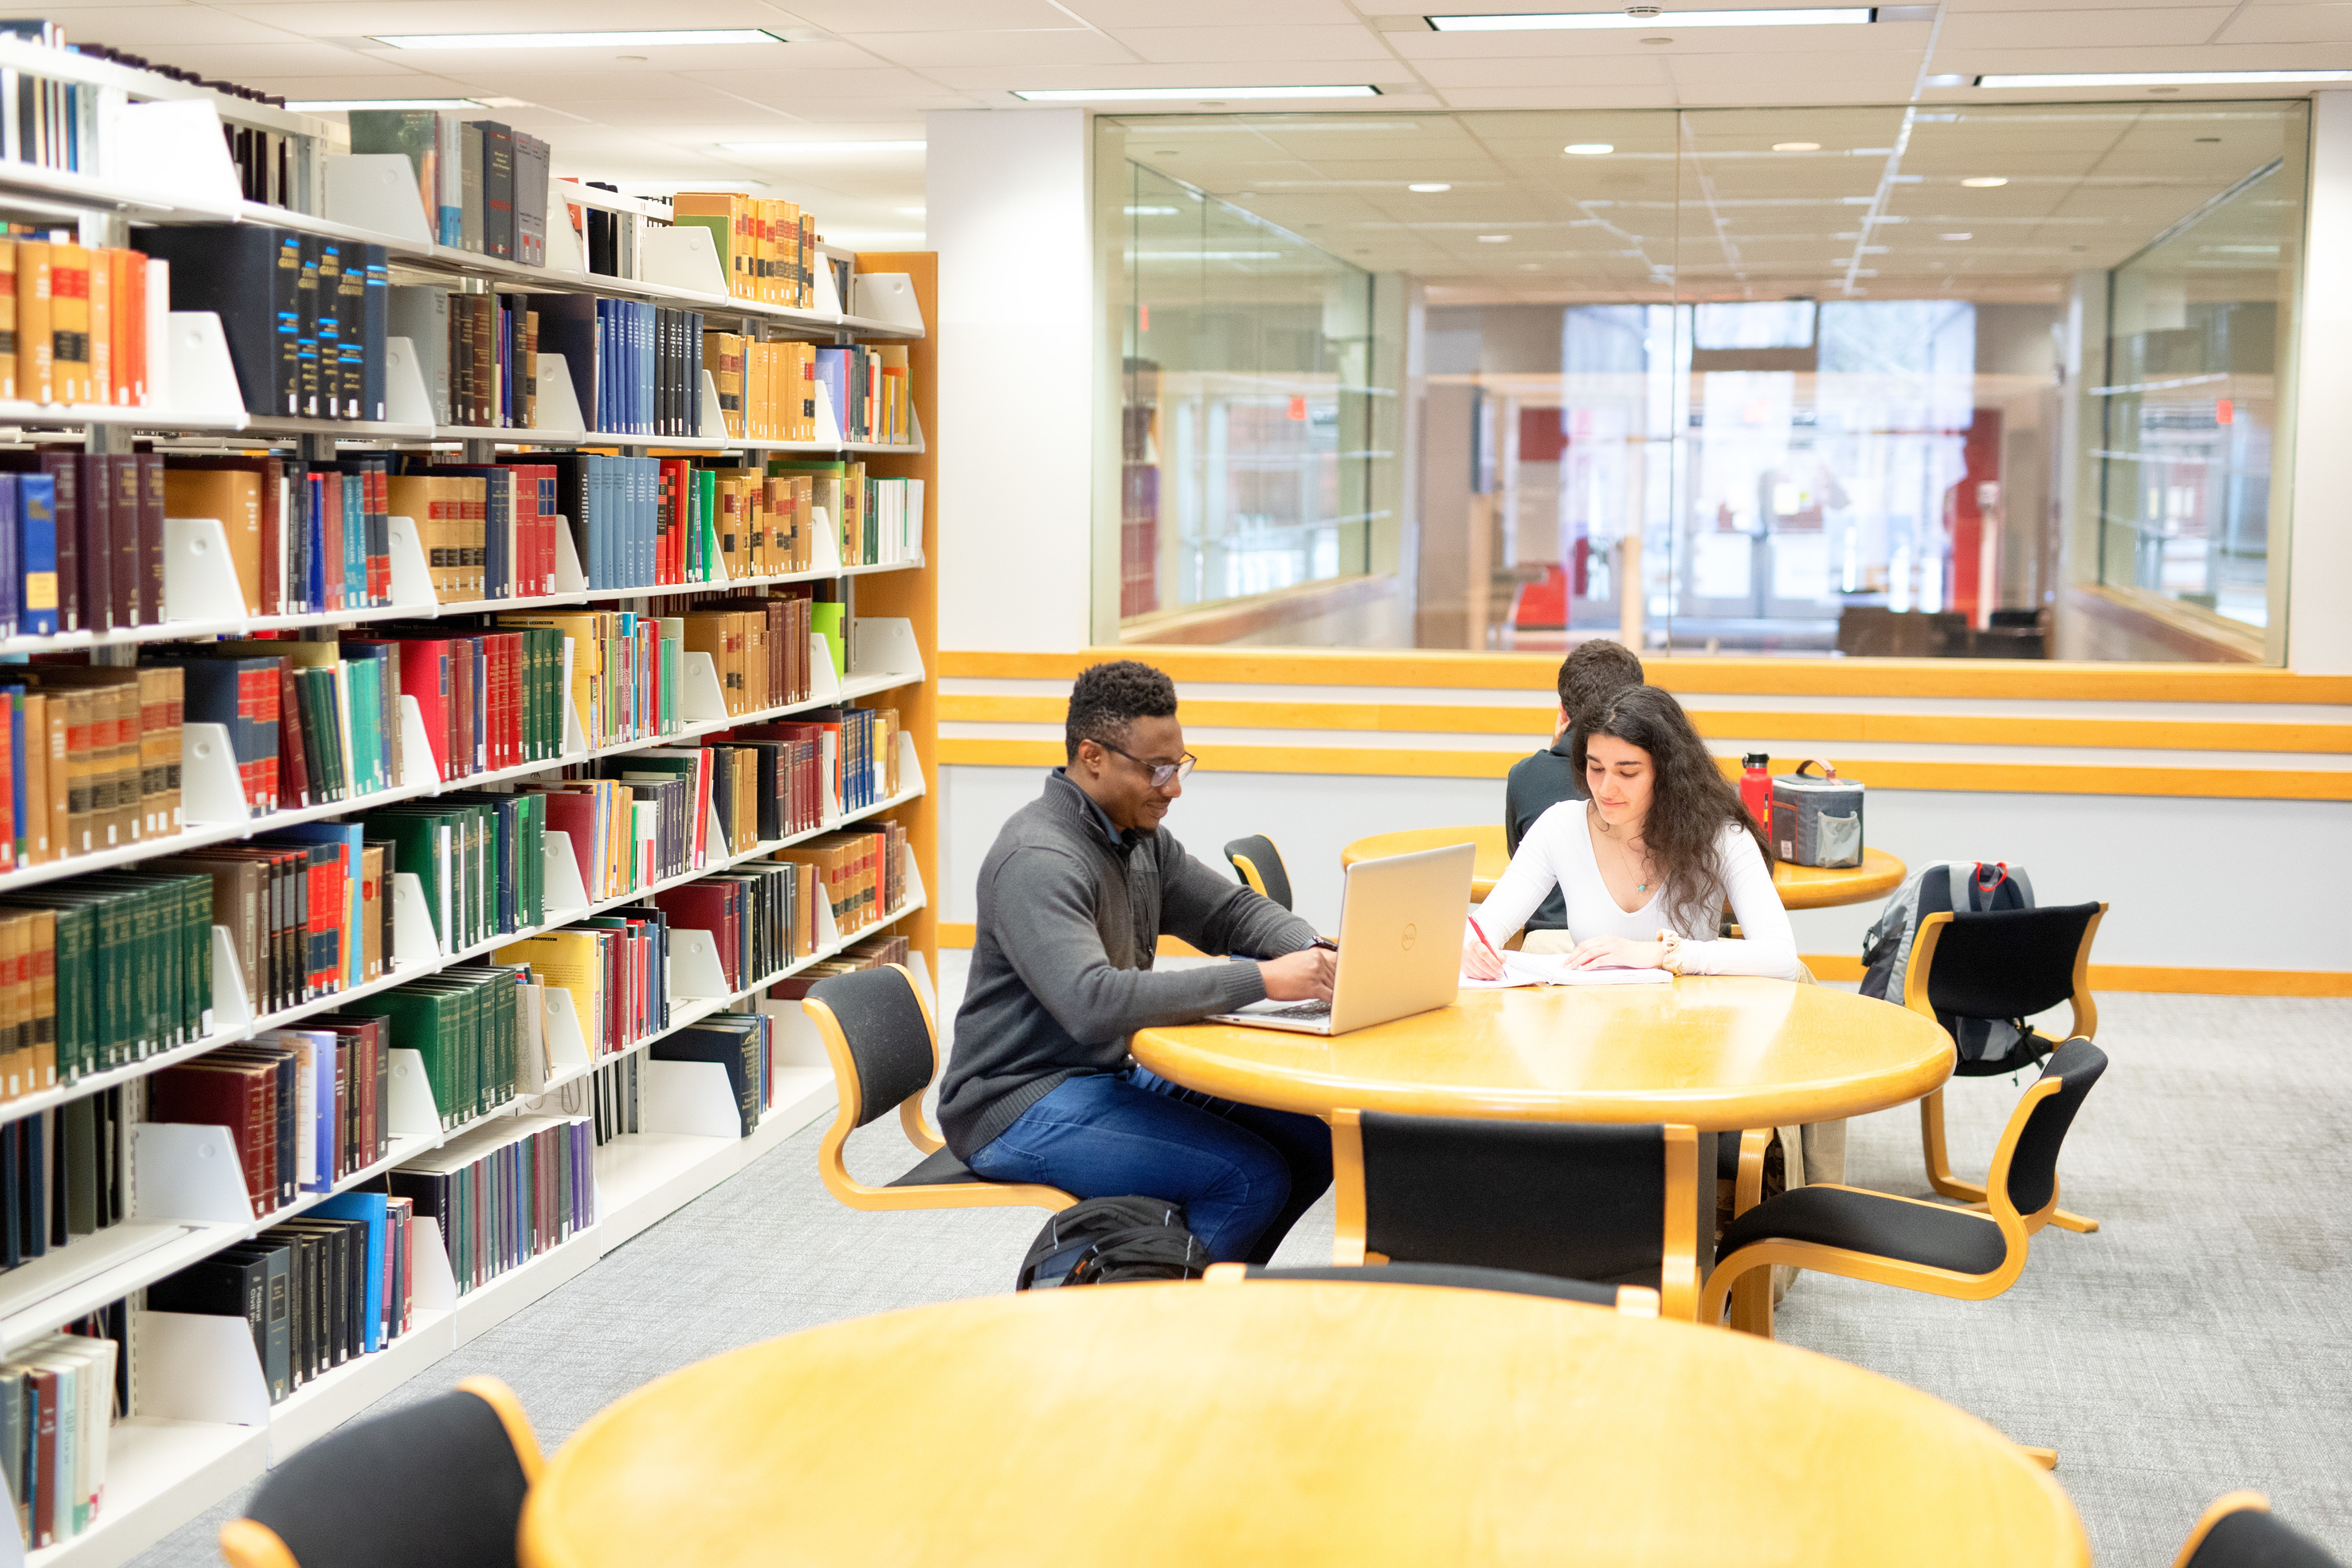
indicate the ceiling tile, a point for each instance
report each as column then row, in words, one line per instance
column 2051, row 28
column 1247, row 14
column 783, row 89
column 1188, row 44
column 2260, row 24
column 929, row 15
column 1042, row 47
column 235, row 62
column 160, row 26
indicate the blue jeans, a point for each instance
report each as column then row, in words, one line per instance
column 1244, row 1174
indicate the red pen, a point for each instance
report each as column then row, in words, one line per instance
column 1484, row 943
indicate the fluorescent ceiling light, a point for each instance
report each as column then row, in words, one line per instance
column 2160, row 79
column 1143, row 94
column 575, row 40
column 1948, row 78
column 1430, row 187
column 1560, row 21
column 1796, row 146
column 773, row 149
column 1956, row 236
column 1985, row 182
column 1494, row 239
column 1590, row 149
column 340, row 105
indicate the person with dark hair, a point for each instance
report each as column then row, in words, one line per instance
column 1647, row 864
column 1074, row 897
column 1593, row 672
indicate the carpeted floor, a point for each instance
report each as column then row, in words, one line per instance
column 2193, row 1345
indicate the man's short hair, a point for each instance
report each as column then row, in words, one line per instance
column 1110, row 698
column 1593, row 672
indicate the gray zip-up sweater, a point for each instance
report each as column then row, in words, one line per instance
column 1061, row 966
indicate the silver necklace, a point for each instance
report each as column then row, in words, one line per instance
column 1609, row 833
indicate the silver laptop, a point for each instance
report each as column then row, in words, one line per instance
column 1401, row 925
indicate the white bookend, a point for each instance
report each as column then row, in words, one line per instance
column 232, row 1006
column 203, row 382
column 716, row 847
column 910, row 767
column 565, row 892
column 797, row 1042
column 691, row 1097
column 420, row 757
column 199, row 574
column 915, row 444
column 682, row 256
column 829, row 935
column 916, row 894
column 828, row 421
column 175, row 145
column 714, row 420
column 922, row 970
column 435, row 1287
column 211, row 793
column 569, row 578
column 406, row 398
column 824, row 544
column 567, row 1043
column 883, row 644
column 825, row 681
column 414, row 1111
column 559, row 402
column 412, row 578
column 832, row 807
column 828, row 298
column 185, row 1173
column 701, row 699
column 885, row 297
column 563, row 257
column 414, row 940
column 199, row 1367
column 378, row 191
column 695, row 972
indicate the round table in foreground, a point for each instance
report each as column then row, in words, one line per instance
column 1294, row 1424
column 1801, row 887
column 1717, row 1053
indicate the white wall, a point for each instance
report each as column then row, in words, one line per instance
column 1008, row 210
column 2319, row 582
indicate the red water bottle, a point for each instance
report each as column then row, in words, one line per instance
column 1756, row 788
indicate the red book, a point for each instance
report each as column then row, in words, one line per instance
column 293, row 760
column 426, row 675
column 45, row 1444
column 215, row 1093
column 574, row 811
column 706, row 906
column 377, row 483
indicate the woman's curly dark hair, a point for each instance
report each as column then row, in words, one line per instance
column 1690, row 801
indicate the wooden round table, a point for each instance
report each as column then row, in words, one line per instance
column 1717, row 1053
column 1299, row 1424
column 1801, row 887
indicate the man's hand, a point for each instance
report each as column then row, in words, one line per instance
column 1301, row 976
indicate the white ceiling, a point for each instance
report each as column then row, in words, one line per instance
column 870, row 68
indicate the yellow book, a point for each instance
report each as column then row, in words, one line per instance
column 69, row 320
column 572, row 961
column 36, row 348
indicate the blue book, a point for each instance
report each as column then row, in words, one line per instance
column 371, row 1208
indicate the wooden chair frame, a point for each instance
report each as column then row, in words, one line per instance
column 1632, row 1300
column 1677, row 1290
column 1751, row 1297
column 834, row 1170
column 2222, row 1509
column 1931, row 1107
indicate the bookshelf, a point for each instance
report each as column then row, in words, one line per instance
column 201, row 1424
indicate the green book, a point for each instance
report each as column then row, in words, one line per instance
column 421, row 1020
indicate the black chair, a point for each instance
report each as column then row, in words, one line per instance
column 1607, row 1205
column 885, row 1050
column 1259, row 864
column 442, row 1483
column 1634, row 1300
column 2004, row 965
column 2239, row 1531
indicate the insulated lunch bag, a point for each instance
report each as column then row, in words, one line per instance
column 1104, row 1241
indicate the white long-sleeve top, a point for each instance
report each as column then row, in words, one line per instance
column 1559, row 849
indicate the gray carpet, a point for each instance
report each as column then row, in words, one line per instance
column 2194, row 1345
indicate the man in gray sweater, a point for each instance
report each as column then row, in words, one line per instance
column 1073, row 898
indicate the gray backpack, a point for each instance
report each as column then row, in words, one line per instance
column 1960, row 886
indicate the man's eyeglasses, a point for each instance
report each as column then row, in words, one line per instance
column 1163, row 773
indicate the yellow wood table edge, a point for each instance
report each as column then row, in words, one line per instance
column 2017, row 1500
column 1799, row 887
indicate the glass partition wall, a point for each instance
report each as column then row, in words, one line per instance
column 2002, row 382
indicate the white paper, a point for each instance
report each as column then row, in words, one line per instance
column 1545, row 969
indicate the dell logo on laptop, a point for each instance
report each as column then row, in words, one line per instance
column 1409, row 934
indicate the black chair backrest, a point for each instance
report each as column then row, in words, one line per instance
column 882, row 1019
column 1261, row 853
column 1460, row 1277
column 2252, row 1538
column 2033, row 1166
column 2007, row 964
column 437, row 1482
column 1580, row 1202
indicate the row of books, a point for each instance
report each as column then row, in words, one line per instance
column 89, row 758
column 865, row 872
column 616, row 969
column 75, row 320
column 478, row 353
column 867, row 952
column 479, row 858
column 760, row 915
column 305, row 316
column 57, row 1400
column 104, row 971
column 468, row 1023
column 880, row 520
column 505, row 1194
column 318, row 1292
column 742, row 1043
column 305, row 1107
column 872, row 392
column 760, row 649
column 767, row 248
column 641, row 522
column 483, row 185
column 309, row 722
column 307, row 910
column 767, row 391
column 63, row 1174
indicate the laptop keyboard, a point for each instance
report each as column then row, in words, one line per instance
column 1296, row 1010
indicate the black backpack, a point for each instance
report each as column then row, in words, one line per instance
column 1960, row 886
column 1103, row 1241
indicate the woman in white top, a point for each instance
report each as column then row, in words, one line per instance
column 1647, row 864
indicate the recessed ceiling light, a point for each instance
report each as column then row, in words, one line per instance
column 1157, row 94
column 575, row 40
column 344, row 105
column 1555, row 21
column 1796, row 146
column 774, row 149
column 1590, row 149
column 1985, row 182
column 2158, row 78
column 1948, row 78
column 1430, row 187
column 1494, row 239
column 1956, row 236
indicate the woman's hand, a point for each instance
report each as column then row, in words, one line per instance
column 1613, row 952
column 1478, row 960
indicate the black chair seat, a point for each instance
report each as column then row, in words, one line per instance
column 938, row 1170
column 1459, row 1277
column 2250, row 1538
column 1870, row 1222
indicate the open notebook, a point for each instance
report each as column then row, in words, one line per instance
column 1550, row 969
